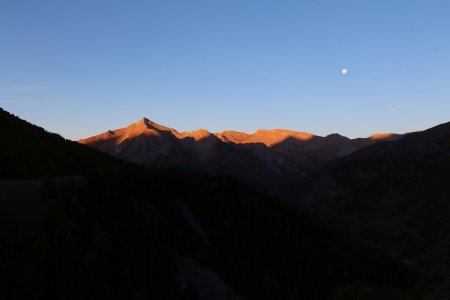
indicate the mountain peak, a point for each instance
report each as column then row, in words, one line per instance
column 145, row 125
column 146, row 122
column 198, row 134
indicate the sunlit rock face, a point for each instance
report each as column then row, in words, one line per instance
column 270, row 159
column 267, row 137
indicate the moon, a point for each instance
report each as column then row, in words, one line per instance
column 344, row 71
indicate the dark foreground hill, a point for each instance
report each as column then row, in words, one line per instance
column 394, row 195
column 79, row 224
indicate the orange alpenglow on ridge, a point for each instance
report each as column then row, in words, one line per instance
column 380, row 136
column 149, row 143
column 231, row 136
column 268, row 137
column 144, row 127
column 276, row 136
column 263, row 136
column 198, row 134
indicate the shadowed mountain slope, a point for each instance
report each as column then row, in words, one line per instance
column 394, row 195
column 28, row 151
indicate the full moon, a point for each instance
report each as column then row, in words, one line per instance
column 344, row 71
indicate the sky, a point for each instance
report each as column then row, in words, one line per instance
column 81, row 67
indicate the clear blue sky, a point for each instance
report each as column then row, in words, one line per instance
column 81, row 67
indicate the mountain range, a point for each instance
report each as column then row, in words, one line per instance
column 273, row 160
column 388, row 190
column 76, row 223
column 365, row 218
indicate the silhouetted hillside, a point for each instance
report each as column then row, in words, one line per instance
column 395, row 195
column 102, row 229
column 28, row 151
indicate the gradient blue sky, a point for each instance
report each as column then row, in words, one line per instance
column 82, row 67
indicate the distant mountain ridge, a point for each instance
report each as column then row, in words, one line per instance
column 278, row 156
column 268, row 137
